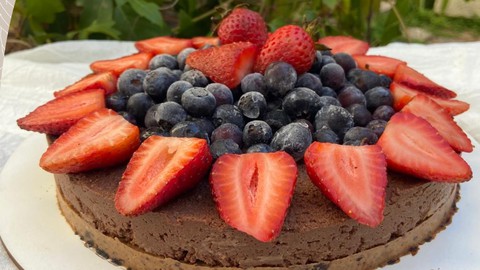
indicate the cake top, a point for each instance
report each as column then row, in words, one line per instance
column 253, row 107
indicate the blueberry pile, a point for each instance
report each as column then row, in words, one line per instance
column 334, row 102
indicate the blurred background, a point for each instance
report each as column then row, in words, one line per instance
column 37, row 22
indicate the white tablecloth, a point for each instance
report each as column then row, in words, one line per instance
column 30, row 77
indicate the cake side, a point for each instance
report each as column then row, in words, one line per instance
column 188, row 229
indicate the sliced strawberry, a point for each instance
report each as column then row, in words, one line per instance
column 352, row 177
column 345, row 44
column 199, row 42
column 161, row 168
column 414, row 79
column 119, row 65
column 414, row 147
column 226, row 64
column 253, row 191
column 160, row 45
column 100, row 139
column 403, row 94
column 425, row 107
column 58, row 115
column 105, row 80
column 378, row 64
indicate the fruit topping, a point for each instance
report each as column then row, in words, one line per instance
column 293, row 138
column 253, row 191
column 227, row 64
column 164, row 44
column 290, row 44
column 242, row 24
column 345, row 44
column 157, row 82
column 105, row 80
column 58, row 115
column 280, row 77
column 119, row 65
column 161, row 169
column 131, row 81
column 352, row 177
column 403, row 94
column 201, row 42
column 100, row 139
column 163, row 60
column 379, row 64
column 414, row 79
column 442, row 121
column 420, row 151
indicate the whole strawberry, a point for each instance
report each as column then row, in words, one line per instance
column 291, row 44
column 243, row 25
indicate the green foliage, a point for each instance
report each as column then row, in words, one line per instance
column 53, row 20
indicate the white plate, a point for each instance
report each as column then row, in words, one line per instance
column 38, row 237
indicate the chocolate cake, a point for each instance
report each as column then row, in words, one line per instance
column 187, row 233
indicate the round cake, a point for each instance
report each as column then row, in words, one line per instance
column 187, row 233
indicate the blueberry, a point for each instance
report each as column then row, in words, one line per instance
column 131, row 81
column 138, row 105
column 346, row 61
column 327, row 91
column 195, row 77
column 228, row 131
column 351, row 95
column 378, row 126
column 277, row 119
column 256, row 131
column 178, row 73
column 188, row 129
column 260, row 148
column 280, row 78
column 377, row 97
column 333, row 76
column 306, row 122
column 317, row 63
column 163, row 60
column 363, row 79
column 326, row 59
column 385, row 81
column 222, row 147
column 205, row 125
column 310, row 81
column 252, row 105
column 176, row 90
column 301, row 103
column 326, row 135
column 228, row 113
column 360, row 136
column 383, row 112
column 157, row 82
column 129, row 117
column 293, row 138
column 182, row 57
column 222, row 94
column 158, row 131
column 198, row 102
column 327, row 52
column 361, row 115
column 116, row 101
column 165, row 115
column 274, row 103
column 335, row 118
column 254, row 82
column 327, row 100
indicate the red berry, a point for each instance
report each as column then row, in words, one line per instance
column 58, row 115
column 199, row 42
column 352, row 177
column 291, row 44
column 226, row 64
column 414, row 147
column 243, row 25
column 161, row 169
column 99, row 140
column 345, row 44
column 425, row 107
column 105, row 80
column 378, row 64
column 253, row 191
column 160, row 45
column 119, row 65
